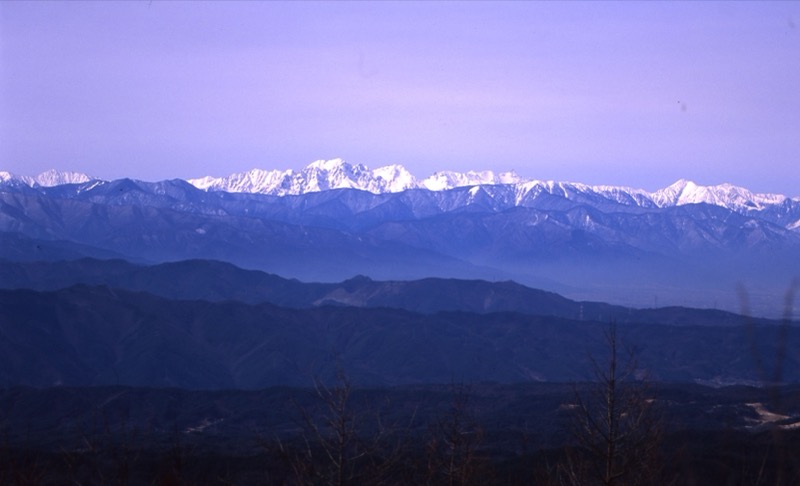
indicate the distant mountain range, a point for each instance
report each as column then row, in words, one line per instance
column 323, row 175
column 685, row 244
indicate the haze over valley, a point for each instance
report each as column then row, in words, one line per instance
column 689, row 245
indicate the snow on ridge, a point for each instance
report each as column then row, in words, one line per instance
column 727, row 195
column 395, row 178
column 444, row 180
column 254, row 181
column 52, row 178
column 331, row 165
column 48, row 178
column 322, row 175
column 204, row 183
column 7, row 176
column 10, row 178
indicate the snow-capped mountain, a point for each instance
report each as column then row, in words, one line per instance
column 11, row 178
column 442, row 181
column 725, row 195
column 52, row 178
column 323, row 175
column 48, row 178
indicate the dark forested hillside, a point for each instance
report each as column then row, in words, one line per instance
column 104, row 336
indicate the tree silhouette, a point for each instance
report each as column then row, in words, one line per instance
column 615, row 426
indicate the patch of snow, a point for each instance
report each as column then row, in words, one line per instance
column 204, row 183
column 768, row 419
column 203, row 425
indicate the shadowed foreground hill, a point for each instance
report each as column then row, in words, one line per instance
column 103, row 336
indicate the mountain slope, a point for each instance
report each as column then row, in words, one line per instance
column 325, row 175
column 219, row 282
column 99, row 336
column 48, row 178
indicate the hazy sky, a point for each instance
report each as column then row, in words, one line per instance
column 631, row 93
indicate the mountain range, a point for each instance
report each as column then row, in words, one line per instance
column 322, row 175
column 685, row 244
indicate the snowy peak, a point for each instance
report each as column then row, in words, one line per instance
column 322, row 175
column 48, row 178
column 7, row 176
column 254, row 181
column 395, row 178
column 52, row 178
column 334, row 174
column 726, row 195
column 441, row 181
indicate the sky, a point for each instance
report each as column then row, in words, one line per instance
column 633, row 93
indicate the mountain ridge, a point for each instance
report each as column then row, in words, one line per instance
column 216, row 281
column 85, row 335
column 49, row 178
column 324, row 175
column 338, row 174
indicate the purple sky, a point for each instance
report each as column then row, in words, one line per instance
column 637, row 94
